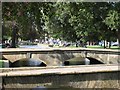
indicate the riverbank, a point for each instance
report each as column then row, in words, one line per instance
column 88, row 46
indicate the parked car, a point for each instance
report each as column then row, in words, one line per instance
column 115, row 44
column 101, row 43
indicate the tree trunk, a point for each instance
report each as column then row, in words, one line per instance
column 14, row 37
column 104, row 44
column 119, row 42
column 118, row 35
column 109, row 44
column 89, row 43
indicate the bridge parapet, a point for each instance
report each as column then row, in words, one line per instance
column 89, row 76
column 58, row 55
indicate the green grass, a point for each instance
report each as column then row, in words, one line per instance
column 115, row 47
column 1, row 64
column 97, row 47
column 4, row 63
column 101, row 47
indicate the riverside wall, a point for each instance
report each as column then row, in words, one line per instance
column 94, row 76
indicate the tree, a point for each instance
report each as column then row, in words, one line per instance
column 113, row 19
column 28, row 18
column 69, row 21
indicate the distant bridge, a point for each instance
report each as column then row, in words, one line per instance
column 55, row 56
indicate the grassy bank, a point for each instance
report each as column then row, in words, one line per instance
column 101, row 47
column 4, row 63
column 97, row 47
column 1, row 64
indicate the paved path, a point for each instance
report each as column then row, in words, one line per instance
column 52, row 49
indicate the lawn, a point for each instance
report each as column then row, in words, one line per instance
column 1, row 63
column 97, row 47
column 101, row 47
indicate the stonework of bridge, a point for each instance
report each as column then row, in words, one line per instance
column 54, row 76
column 55, row 56
column 85, row 76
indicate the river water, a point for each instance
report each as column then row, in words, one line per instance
column 55, row 88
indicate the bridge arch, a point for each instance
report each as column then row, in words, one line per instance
column 54, row 57
column 94, row 60
column 28, row 62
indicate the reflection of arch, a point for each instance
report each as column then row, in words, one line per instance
column 28, row 62
column 82, row 61
column 94, row 61
column 99, row 57
column 75, row 61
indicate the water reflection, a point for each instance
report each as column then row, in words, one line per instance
column 81, row 61
column 40, row 88
column 28, row 62
column 54, row 88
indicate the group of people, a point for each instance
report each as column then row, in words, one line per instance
column 6, row 44
column 58, row 42
column 52, row 41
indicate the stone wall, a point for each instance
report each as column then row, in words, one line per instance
column 73, row 80
column 106, row 58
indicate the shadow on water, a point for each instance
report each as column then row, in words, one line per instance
column 54, row 88
column 66, row 59
column 31, row 62
column 28, row 62
column 81, row 61
column 94, row 61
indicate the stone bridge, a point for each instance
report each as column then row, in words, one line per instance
column 86, row 76
column 55, row 56
column 81, row 76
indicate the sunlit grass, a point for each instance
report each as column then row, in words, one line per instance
column 97, row 47
column 115, row 47
column 102, row 47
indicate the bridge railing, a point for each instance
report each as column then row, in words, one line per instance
column 57, row 50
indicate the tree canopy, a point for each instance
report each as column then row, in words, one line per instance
column 70, row 21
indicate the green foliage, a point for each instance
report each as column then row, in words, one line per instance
column 113, row 19
column 69, row 21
